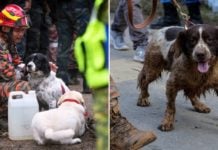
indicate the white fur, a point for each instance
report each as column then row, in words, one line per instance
column 19, row 71
column 158, row 37
column 63, row 124
column 47, row 88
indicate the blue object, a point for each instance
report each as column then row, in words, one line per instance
column 185, row 1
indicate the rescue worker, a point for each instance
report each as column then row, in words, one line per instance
column 72, row 17
column 13, row 25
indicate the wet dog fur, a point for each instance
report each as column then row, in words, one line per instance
column 191, row 59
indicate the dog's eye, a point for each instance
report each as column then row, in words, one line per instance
column 209, row 40
column 193, row 40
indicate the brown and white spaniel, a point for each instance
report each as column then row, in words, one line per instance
column 192, row 60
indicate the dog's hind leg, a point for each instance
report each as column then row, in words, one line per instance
column 145, row 77
column 70, row 141
column 37, row 137
column 199, row 106
column 60, row 135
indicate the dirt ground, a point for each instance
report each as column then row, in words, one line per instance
column 88, row 139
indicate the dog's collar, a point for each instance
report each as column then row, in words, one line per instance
column 75, row 101
column 71, row 100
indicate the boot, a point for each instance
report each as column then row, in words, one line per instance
column 123, row 135
column 194, row 13
column 170, row 17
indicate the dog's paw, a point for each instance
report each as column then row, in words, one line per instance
column 166, row 127
column 202, row 108
column 143, row 102
column 40, row 142
column 76, row 140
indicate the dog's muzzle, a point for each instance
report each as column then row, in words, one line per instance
column 30, row 67
column 202, row 56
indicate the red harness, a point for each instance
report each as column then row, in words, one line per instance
column 75, row 101
column 71, row 100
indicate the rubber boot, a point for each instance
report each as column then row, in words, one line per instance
column 194, row 13
column 170, row 17
column 123, row 135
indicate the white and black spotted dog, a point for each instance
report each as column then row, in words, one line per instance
column 43, row 80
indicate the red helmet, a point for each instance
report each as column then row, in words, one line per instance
column 13, row 16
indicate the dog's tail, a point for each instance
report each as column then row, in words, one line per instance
column 50, row 134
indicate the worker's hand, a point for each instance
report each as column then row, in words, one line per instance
column 53, row 66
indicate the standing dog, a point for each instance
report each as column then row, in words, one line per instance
column 192, row 60
column 62, row 124
column 44, row 81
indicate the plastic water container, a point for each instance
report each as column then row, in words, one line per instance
column 21, row 109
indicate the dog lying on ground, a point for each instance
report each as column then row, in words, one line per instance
column 192, row 60
column 44, row 81
column 63, row 124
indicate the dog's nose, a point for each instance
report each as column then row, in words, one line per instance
column 200, row 55
column 29, row 66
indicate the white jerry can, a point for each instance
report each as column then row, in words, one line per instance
column 21, row 109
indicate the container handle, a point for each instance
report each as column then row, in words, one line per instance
column 16, row 95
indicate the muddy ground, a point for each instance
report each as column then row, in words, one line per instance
column 88, row 139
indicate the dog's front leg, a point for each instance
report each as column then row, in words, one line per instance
column 168, row 121
column 198, row 106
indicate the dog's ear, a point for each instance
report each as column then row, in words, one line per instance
column 180, row 41
column 27, row 59
column 46, row 66
column 177, row 47
column 183, row 43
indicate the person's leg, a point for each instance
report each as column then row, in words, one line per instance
column 118, row 27
column 138, row 36
column 79, row 28
column 194, row 11
column 33, row 33
column 44, row 35
column 73, row 17
column 65, row 38
column 64, row 49
column 123, row 135
column 170, row 17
